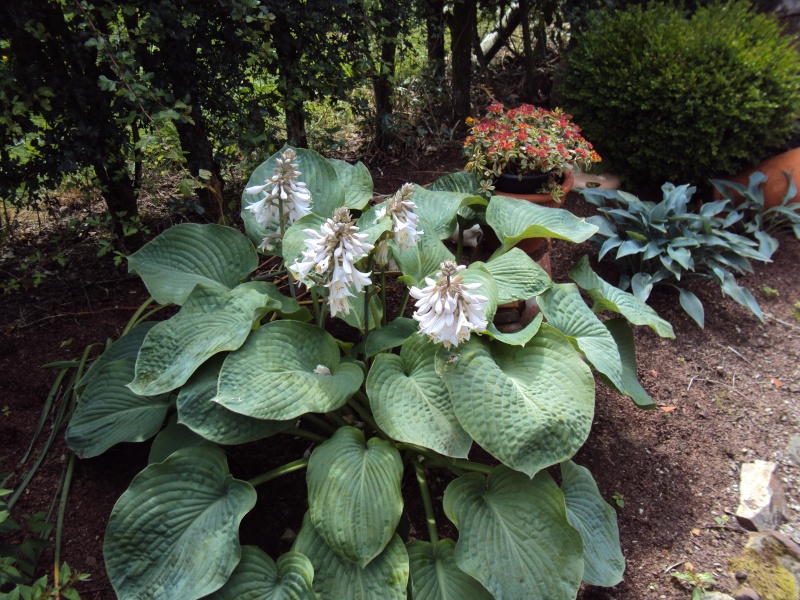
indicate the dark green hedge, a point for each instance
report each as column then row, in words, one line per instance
column 665, row 97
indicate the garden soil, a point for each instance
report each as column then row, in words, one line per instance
column 726, row 395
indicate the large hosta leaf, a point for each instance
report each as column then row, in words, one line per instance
column 608, row 297
column 517, row 276
column 172, row 438
column 623, row 336
column 212, row 320
column 440, row 208
column 110, row 413
column 424, row 259
column 188, row 254
column 198, row 411
column 294, row 240
column 565, row 310
column 174, row 532
column 257, row 577
column 355, row 181
column 529, row 407
column 518, row 338
column 514, row 220
column 410, row 401
column 279, row 373
column 354, row 494
column 125, row 347
column 478, row 273
column 390, row 336
column 597, row 523
column 384, row 578
column 435, row 575
column 514, row 536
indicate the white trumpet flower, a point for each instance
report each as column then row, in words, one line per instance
column 405, row 222
column 284, row 188
column 330, row 257
column 446, row 310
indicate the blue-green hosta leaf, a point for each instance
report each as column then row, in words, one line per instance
column 212, row 320
column 174, row 532
column 355, row 181
column 513, row 535
column 355, row 318
column 608, row 297
column 424, row 259
column 272, row 376
column 295, row 237
column 440, row 208
column 518, row 338
column 257, row 577
column 460, row 181
column 623, row 336
column 478, row 273
column 435, row 575
column 597, row 523
column 384, row 578
column 370, row 225
column 410, row 401
column 211, row 420
column 529, row 407
column 692, row 305
column 354, row 496
column 565, row 310
column 172, row 438
column 110, row 413
column 172, row 264
column 125, row 347
column 517, row 276
column 514, row 220
column 391, row 335
column 283, row 305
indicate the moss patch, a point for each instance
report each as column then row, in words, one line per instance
column 765, row 574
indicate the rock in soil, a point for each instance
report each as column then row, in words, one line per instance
column 746, row 594
column 792, row 451
column 716, row 596
column 761, row 501
column 772, row 562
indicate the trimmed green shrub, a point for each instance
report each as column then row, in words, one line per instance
column 668, row 98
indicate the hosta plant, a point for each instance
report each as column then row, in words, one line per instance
column 243, row 360
column 668, row 243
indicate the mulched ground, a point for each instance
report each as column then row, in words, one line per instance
column 730, row 394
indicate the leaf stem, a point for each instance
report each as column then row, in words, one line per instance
column 460, row 244
column 468, row 465
column 383, row 293
column 364, row 414
column 404, row 302
column 430, row 519
column 134, row 319
column 296, row 465
column 321, row 423
column 299, row 432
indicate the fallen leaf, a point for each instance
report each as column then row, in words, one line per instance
column 776, row 382
column 66, row 343
column 667, row 408
column 695, row 532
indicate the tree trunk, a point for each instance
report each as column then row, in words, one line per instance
column 120, row 197
column 434, row 29
column 464, row 15
column 383, row 86
column 200, row 156
column 529, row 83
column 494, row 41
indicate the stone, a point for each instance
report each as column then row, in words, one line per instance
column 776, row 184
column 792, row 451
column 773, row 564
column 746, row 594
column 715, row 596
column 761, row 501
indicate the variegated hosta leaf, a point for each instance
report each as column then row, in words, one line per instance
column 513, row 535
column 384, row 578
column 356, row 182
column 529, row 407
column 354, row 494
column 517, row 276
column 172, row 264
column 424, row 259
column 514, row 220
column 125, row 347
column 435, row 575
column 284, row 370
column 212, row 320
column 175, row 532
column 623, row 336
column 317, row 173
column 440, row 208
column 211, row 420
column 565, row 310
column 597, row 523
column 257, row 577
column 410, row 401
column 110, row 413
column 608, row 297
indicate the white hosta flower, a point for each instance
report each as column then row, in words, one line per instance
column 330, row 257
column 404, row 221
column 446, row 310
column 285, row 188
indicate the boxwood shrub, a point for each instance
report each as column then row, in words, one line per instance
column 666, row 97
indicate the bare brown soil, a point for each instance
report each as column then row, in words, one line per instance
column 727, row 394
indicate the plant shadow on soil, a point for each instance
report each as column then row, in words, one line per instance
column 735, row 389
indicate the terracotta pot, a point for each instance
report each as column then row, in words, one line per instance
column 776, row 185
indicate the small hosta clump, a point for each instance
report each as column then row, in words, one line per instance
column 284, row 188
column 331, row 255
column 446, row 311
